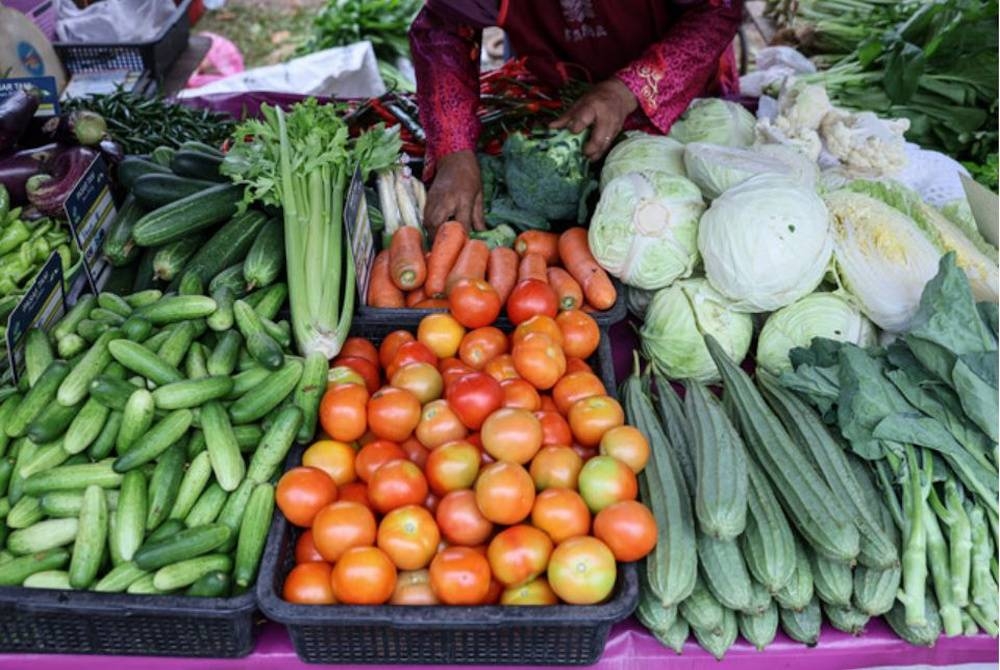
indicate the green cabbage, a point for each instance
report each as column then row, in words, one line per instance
column 644, row 229
column 830, row 315
column 716, row 121
column 641, row 152
column 765, row 243
column 716, row 168
column 677, row 320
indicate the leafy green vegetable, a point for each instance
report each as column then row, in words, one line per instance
column 384, row 23
column 547, row 174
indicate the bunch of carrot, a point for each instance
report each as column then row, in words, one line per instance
column 404, row 276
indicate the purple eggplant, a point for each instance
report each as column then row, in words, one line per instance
column 79, row 127
column 112, row 151
column 16, row 111
column 17, row 168
column 48, row 191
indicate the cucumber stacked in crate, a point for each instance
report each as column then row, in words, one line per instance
column 140, row 447
column 182, row 216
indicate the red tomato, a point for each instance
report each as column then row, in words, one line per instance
column 535, row 592
column 431, row 502
column 604, row 481
column 493, row 594
column 628, row 528
column 363, row 576
column 513, row 435
column 505, row 493
column 628, row 445
column 474, row 303
column 574, row 364
column 460, row 520
column 410, row 352
column 452, row 369
column 555, row 430
column 548, row 404
column 302, row 492
column 501, row 368
column 519, row 554
column 460, row 576
column 582, row 571
column 409, row 537
column 576, row 386
column 334, row 458
column 421, row 379
column 361, row 348
column 340, row 526
column 364, row 367
column 539, row 360
column 529, row 298
column 342, row 412
column 396, row 484
column 482, row 345
column 390, row 345
column 540, row 323
column 309, row 584
column 555, row 467
column 590, row 418
column 415, row 452
column 341, row 374
column 586, row 453
column 305, row 549
column 474, row 397
column 374, row 455
column 393, row 413
column 561, row 513
column 581, row 336
column 413, row 587
column 519, row 394
column 355, row 492
column 439, row 424
column 452, row 466
column 441, row 333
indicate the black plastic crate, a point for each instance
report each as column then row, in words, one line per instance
column 155, row 56
column 494, row 635
column 81, row 622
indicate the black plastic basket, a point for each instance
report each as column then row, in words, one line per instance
column 494, row 635
column 44, row 621
column 155, row 56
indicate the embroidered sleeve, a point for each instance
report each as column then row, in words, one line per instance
column 446, row 60
column 675, row 70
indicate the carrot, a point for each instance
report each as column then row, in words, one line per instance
column 470, row 264
column 538, row 242
column 448, row 243
column 406, row 258
column 567, row 289
column 532, row 267
column 432, row 303
column 501, row 271
column 381, row 291
column 415, row 296
column 579, row 262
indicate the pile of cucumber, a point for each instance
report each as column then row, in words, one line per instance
column 182, row 215
column 140, row 450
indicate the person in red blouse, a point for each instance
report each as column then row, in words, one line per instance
column 648, row 59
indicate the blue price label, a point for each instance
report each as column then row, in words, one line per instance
column 42, row 305
column 90, row 210
column 45, row 85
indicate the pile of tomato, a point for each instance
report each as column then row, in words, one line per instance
column 468, row 467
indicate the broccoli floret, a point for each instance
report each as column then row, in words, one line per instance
column 501, row 236
column 504, row 210
column 546, row 172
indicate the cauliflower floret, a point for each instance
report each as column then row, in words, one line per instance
column 802, row 108
column 806, row 142
column 864, row 143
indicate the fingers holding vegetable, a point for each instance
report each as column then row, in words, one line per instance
column 456, row 194
column 603, row 109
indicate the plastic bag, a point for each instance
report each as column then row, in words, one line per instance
column 113, row 20
column 222, row 60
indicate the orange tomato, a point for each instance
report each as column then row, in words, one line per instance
column 305, row 549
column 439, row 424
column 309, row 584
column 539, row 360
column 501, row 368
column 555, row 429
column 574, row 364
column 452, row 466
column 548, row 404
column 628, row 445
column 393, row 413
column 582, row 571
column 581, row 336
column 576, row 386
column 535, row 592
column 355, row 492
column 520, row 394
column 518, row 554
column 397, row 484
column 441, row 333
column 452, row 369
column 460, row 520
column 409, row 537
column 410, row 352
column 363, row 576
column 555, row 467
column 342, row 412
column 540, row 323
column 513, row 435
column 302, row 492
column 341, row 374
column 340, row 526
column 482, row 345
column 628, row 528
column 374, row 455
column 505, row 493
column 364, row 367
column 360, row 347
column 605, row 481
column 334, row 458
column 415, row 452
column 391, row 344
column 590, row 418
column 474, row 303
column 413, row 587
column 421, row 379
column 460, row 576
column 561, row 513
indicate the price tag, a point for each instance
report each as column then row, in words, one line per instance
column 90, row 210
column 49, row 103
column 359, row 234
column 42, row 306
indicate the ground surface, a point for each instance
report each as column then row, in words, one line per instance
column 266, row 31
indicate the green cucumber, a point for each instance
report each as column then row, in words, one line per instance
column 141, row 360
column 119, row 578
column 223, row 450
column 114, row 303
column 73, row 477
column 13, row 572
column 192, row 392
column 137, row 418
column 37, row 354
column 197, row 165
column 226, row 354
column 119, row 247
column 247, row 380
column 267, row 302
column 157, row 440
column 130, row 517
column 231, row 278
column 52, row 422
column 48, row 456
column 91, row 330
column 193, row 483
column 137, row 329
column 254, row 405
column 156, row 340
column 86, row 426
column 156, row 190
column 201, row 147
column 253, row 534
column 26, row 512
column 208, row 506
column 191, row 284
column 266, row 257
column 222, row 318
column 144, row 587
column 48, row 579
column 281, row 331
column 63, row 504
column 275, row 444
column 77, row 313
column 40, row 396
column 170, row 258
column 25, row 451
column 168, row 528
column 264, row 348
column 232, row 512
column 107, row 316
column 164, row 485
column 108, row 436
column 89, row 546
column 184, row 544
column 215, row 584
column 110, row 392
column 172, row 309
column 6, row 411
column 248, row 436
column 196, row 364
column 196, row 444
column 75, row 386
column 187, row 572
column 131, row 168
column 175, row 348
column 227, row 245
column 162, row 155
column 70, row 345
column 44, row 535
column 183, row 217
column 143, row 298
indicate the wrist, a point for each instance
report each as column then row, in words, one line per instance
column 626, row 98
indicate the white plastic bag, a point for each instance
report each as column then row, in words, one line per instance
column 113, row 20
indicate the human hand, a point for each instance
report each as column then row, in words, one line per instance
column 456, row 193
column 604, row 109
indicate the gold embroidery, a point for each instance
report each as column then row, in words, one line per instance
column 650, row 81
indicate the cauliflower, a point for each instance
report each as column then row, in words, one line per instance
column 802, row 108
column 864, row 143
